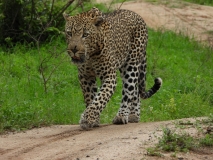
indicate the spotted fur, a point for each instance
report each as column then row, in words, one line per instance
column 100, row 44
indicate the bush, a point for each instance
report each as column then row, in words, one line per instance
column 23, row 20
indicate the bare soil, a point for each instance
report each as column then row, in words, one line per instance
column 117, row 142
column 189, row 19
column 107, row 142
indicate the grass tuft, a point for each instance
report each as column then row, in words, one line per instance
column 178, row 140
column 172, row 141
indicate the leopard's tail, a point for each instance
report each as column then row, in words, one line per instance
column 151, row 91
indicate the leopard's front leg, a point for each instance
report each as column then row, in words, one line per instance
column 91, row 116
column 87, row 79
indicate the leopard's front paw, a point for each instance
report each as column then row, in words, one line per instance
column 133, row 118
column 87, row 122
column 120, row 120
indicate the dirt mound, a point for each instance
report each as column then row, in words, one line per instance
column 190, row 19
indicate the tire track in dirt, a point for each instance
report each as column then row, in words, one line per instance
column 53, row 138
column 16, row 152
column 117, row 142
column 32, row 145
column 5, row 151
column 71, row 143
column 87, row 149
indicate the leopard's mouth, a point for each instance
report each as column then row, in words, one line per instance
column 76, row 59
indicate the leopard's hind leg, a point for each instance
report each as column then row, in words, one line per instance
column 134, row 115
column 130, row 97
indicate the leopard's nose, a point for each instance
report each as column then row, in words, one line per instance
column 74, row 50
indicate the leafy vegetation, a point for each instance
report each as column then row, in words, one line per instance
column 172, row 141
column 207, row 140
column 202, row 2
column 184, row 67
column 176, row 141
column 26, row 20
column 24, row 102
column 180, row 4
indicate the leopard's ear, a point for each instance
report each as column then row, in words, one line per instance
column 66, row 16
column 96, row 16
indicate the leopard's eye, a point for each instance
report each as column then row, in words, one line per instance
column 85, row 34
column 69, row 33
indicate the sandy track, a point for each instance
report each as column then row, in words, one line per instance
column 118, row 142
column 190, row 19
column 108, row 142
column 71, row 143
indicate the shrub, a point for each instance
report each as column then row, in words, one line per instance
column 23, row 20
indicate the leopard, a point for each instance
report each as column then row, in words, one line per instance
column 101, row 45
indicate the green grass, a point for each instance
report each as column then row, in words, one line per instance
column 185, row 68
column 24, row 103
column 172, row 142
column 184, row 65
column 180, row 3
column 202, row 2
column 180, row 140
column 207, row 140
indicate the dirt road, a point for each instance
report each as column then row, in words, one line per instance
column 70, row 142
column 108, row 142
column 192, row 20
column 115, row 142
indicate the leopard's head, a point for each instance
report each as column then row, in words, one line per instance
column 83, row 34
